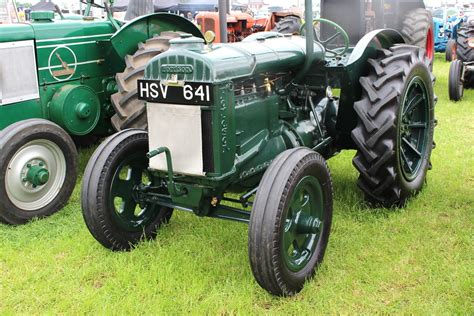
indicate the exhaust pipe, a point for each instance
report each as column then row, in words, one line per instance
column 308, row 17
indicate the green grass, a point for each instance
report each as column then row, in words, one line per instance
column 416, row 260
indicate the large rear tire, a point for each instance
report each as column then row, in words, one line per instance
column 290, row 221
column 131, row 112
column 464, row 52
column 38, row 170
column 417, row 29
column 116, row 169
column 456, row 86
column 394, row 133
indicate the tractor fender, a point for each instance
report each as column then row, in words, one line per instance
column 355, row 68
column 139, row 30
column 383, row 38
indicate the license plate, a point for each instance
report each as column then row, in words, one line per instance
column 192, row 93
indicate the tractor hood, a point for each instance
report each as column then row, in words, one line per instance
column 191, row 60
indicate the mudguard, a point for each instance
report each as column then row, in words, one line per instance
column 355, row 68
column 367, row 46
column 126, row 39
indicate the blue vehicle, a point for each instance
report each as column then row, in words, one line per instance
column 446, row 21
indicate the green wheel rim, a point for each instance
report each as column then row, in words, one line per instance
column 123, row 196
column 302, row 224
column 413, row 129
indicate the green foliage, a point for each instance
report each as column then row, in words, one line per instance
column 415, row 260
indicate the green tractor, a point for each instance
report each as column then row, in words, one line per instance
column 242, row 132
column 63, row 80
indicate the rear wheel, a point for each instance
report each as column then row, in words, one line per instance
column 38, row 170
column 464, row 52
column 290, row 221
column 394, row 133
column 131, row 112
column 417, row 29
column 112, row 177
column 456, row 86
column 451, row 50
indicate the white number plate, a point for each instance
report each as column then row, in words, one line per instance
column 193, row 93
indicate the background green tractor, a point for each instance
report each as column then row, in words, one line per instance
column 249, row 125
column 58, row 83
column 461, row 71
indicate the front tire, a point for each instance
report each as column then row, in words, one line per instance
column 456, row 86
column 394, row 133
column 109, row 207
column 290, row 221
column 38, row 170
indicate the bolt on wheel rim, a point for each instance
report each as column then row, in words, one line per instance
column 303, row 224
column 129, row 176
column 35, row 175
column 413, row 129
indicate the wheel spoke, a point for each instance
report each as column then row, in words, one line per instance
column 331, row 38
column 420, row 125
column 411, row 146
column 417, row 99
column 407, row 162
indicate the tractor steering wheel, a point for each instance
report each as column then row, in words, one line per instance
column 339, row 32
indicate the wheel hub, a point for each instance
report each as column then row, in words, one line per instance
column 37, row 174
column 303, row 223
column 413, row 129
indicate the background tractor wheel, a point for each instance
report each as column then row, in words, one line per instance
column 451, row 50
column 38, row 170
column 417, row 29
column 129, row 111
column 394, row 133
column 456, row 86
column 290, row 221
column 108, row 198
column 465, row 53
column 288, row 25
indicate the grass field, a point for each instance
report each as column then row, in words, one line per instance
column 416, row 260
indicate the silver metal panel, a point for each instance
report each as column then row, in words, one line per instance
column 18, row 78
column 177, row 127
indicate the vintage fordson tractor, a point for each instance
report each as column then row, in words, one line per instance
column 66, row 77
column 250, row 124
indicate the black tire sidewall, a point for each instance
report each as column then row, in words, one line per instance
column 456, row 89
column 16, row 136
column 97, row 209
column 413, row 186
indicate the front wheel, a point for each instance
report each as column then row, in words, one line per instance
column 38, row 170
column 394, row 133
column 110, row 207
column 290, row 221
column 456, row 85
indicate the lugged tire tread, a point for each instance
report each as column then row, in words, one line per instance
column 129, row 110
column 375, row 133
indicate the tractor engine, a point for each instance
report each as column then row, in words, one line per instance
column 224, row 112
